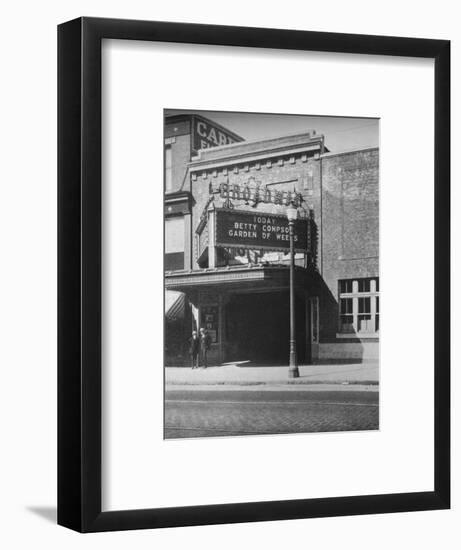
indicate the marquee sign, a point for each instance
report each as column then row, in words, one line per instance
column 255, row 230
column 206, row 135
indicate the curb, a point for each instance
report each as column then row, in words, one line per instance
column 274, row 383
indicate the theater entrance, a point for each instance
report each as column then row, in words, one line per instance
column 258, row 328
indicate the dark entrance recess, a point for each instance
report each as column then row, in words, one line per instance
column 258, row 328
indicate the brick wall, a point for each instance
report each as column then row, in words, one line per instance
column 343, row 190
column 301, row 171
column 350, row 224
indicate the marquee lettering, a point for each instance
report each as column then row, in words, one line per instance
column 245, row 229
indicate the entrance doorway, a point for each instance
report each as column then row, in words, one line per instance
column 258, row 328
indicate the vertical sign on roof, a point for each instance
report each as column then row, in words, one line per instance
column 206, row 135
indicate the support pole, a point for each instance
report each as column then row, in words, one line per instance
column 293, row 371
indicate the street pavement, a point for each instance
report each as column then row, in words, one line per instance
column 210, row 413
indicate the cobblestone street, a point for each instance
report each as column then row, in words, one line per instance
column 240, row 412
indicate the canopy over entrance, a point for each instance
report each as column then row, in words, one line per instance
column 175, row 303
column 257, row 277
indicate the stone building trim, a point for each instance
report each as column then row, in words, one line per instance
column 348, row 152
column 252, row 158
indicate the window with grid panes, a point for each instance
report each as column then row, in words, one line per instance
column 359, row 305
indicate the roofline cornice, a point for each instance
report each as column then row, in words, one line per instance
column 350, row 151
column 253, row 156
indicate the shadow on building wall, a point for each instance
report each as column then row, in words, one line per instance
column 333, row 346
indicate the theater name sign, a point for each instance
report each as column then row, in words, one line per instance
column 240, row 229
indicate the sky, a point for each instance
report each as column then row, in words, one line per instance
column 341, row 133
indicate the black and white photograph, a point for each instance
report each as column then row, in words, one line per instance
column 230, row 309
column 272, row 276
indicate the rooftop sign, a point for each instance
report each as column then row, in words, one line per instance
column 206, row 135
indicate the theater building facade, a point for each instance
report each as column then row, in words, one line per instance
column 227, row 245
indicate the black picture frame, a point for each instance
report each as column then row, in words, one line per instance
column 79, row 274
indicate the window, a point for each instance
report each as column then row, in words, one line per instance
column 346, row 315
column 345, row 286
column 364, row 315
column 377, row 314
column 359, row 306
column 168, row 169
column 174, row 243
column 363, row 285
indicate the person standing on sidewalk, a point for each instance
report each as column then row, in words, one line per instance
column 194, row 349
column 205, row 342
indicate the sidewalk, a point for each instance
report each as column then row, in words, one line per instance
column 359, row 374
